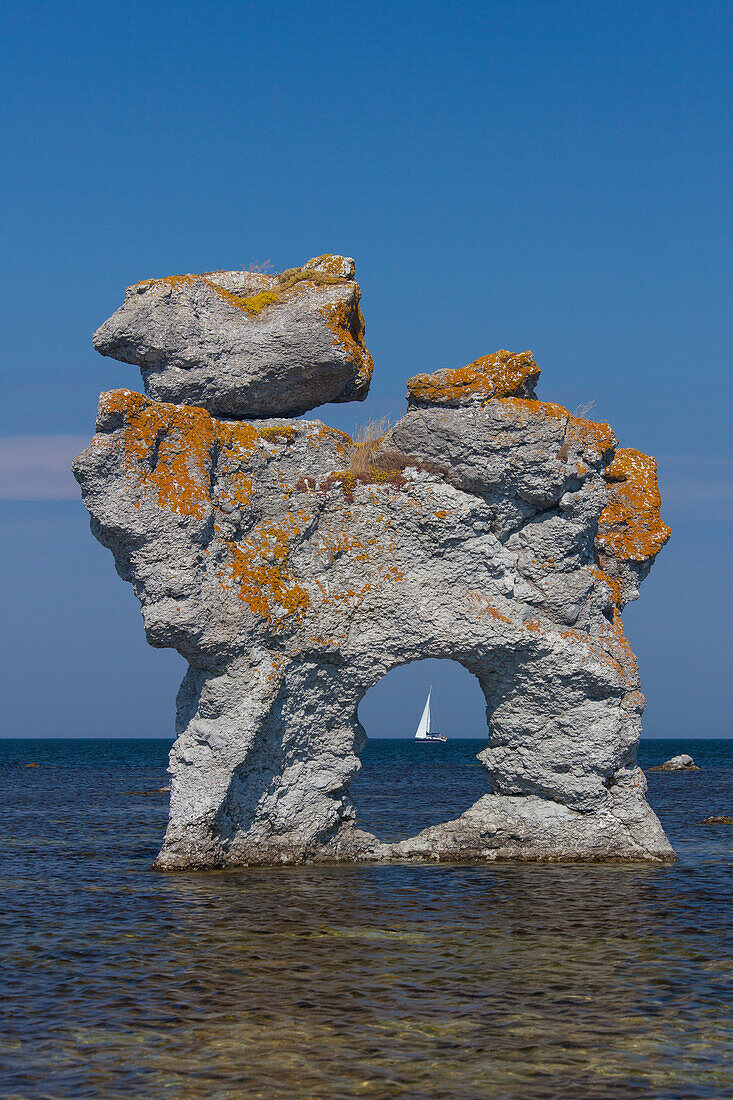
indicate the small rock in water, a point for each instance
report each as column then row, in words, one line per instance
column 681, row 763
column 155, row 790
column 719, row 819
column 33, row 765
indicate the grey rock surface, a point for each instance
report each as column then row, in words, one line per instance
column 292, row 577
column 245, row 344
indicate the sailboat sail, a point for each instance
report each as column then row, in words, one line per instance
column 427, row 731
column 423, row 730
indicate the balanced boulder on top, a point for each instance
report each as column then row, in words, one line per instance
column 244, row 344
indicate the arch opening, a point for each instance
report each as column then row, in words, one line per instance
column 406, row 785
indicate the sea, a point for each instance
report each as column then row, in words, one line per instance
column 449, row 982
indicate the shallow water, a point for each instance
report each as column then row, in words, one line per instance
column 495, row 981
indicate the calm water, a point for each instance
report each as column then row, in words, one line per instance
column 411, row 981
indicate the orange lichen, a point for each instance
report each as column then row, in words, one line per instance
column 330, row 265
column 630, row 527
column 258, row 568
column 170, row 449
column 236, row 442
column 167, row 449
column 320, row 641
column 589, row 435
column 619, row 649
column 239, row 439
column 524, row 409
column 275, row 674
column 484, row 607
column 613, row 583
column 353, row 598
column 346, row 322
column 634, row 700
column 503, row 374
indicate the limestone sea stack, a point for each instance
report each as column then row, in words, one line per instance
column 244, row 344
column 293, row 568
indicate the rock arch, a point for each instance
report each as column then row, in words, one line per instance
column 403, row 787
column 392, row 708
column 293, row 569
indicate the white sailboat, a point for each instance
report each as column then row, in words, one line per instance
column 427, row 730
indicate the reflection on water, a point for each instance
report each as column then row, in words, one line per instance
column 339, row 982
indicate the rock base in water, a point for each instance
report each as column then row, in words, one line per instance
column 495, row 828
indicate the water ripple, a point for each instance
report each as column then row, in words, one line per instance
column 336, row 982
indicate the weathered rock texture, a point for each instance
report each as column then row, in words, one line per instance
column 244, row 344
column 292, row 571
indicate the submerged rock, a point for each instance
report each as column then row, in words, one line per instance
column 719, row 819
column 293, row 569
column 681, row 763
column 245, row 344
column 155, row 790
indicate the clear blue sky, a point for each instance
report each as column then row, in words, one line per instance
column 553, row 176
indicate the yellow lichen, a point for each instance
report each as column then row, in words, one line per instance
column 279, row 433
column 346, row 323
column 256, row 303
column 306, row 277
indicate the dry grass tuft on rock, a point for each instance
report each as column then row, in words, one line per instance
column 368, row 438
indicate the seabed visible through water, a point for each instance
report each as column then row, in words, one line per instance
column 485, row 981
